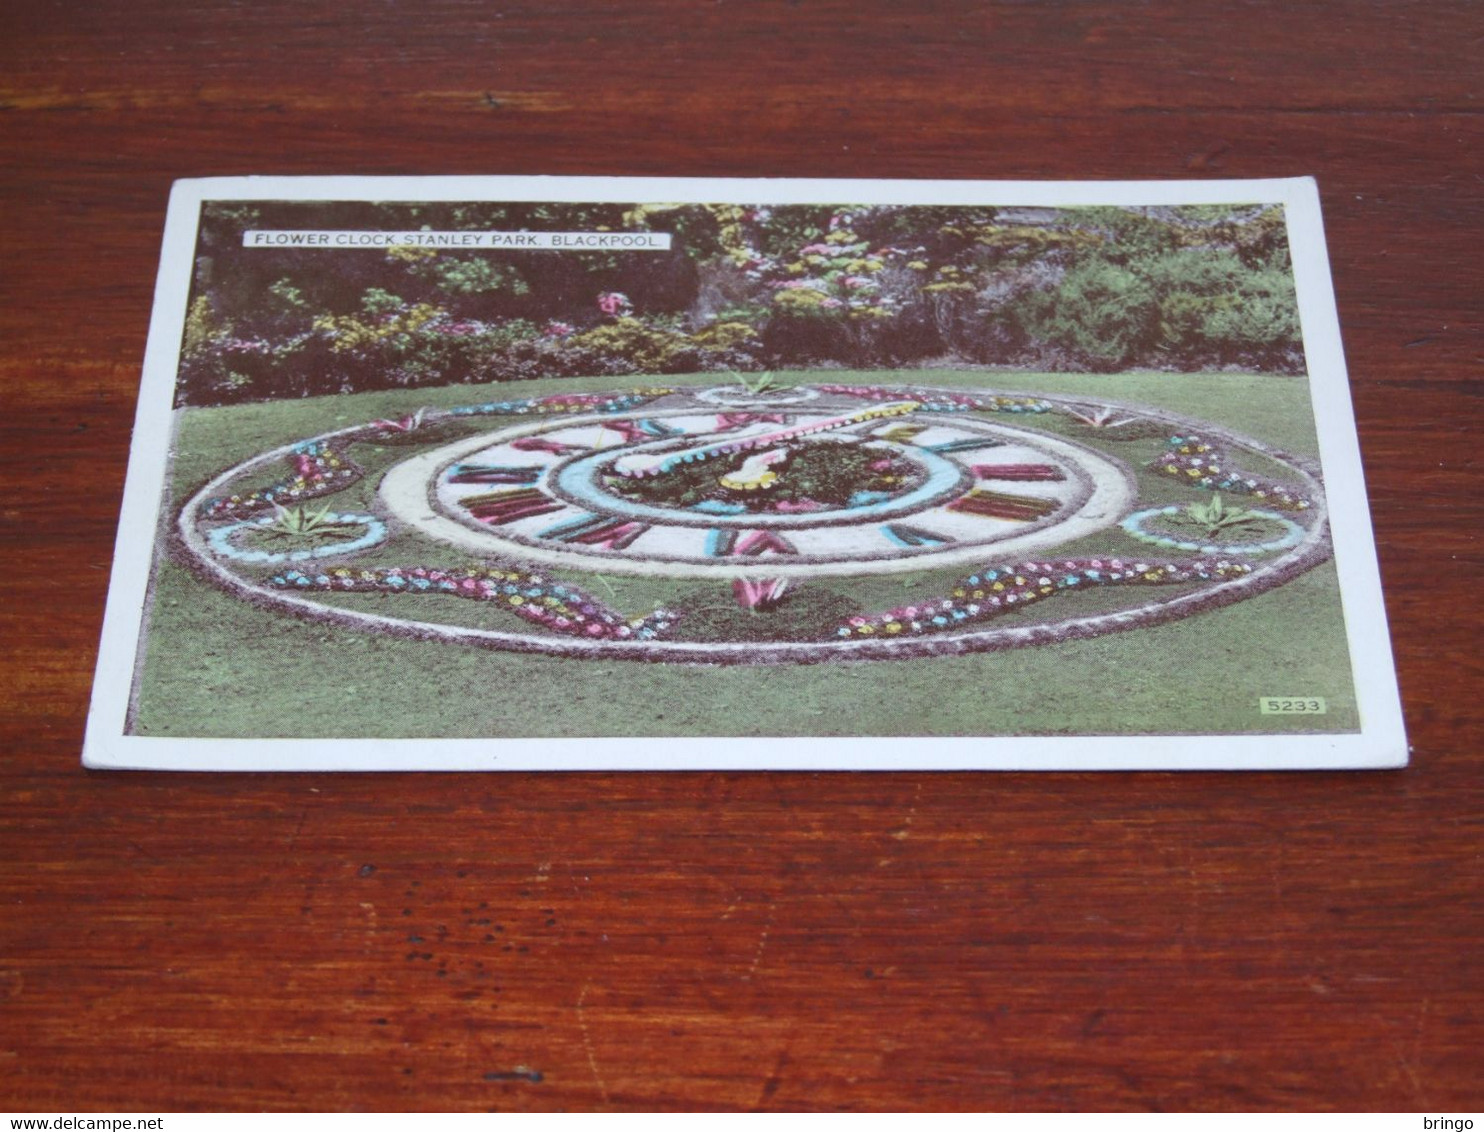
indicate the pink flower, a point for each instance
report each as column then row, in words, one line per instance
column 763, row 593
column 786, row 506
column 613, row 302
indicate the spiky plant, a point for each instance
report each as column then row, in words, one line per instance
column 1215, row 516
column 302, row 524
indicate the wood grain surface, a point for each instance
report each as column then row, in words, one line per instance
column 731, row 941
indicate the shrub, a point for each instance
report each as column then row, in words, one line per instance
column 648, row 349
column 1213, row 305
column 1103, row 314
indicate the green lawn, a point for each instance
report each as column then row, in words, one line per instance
column 216, row 666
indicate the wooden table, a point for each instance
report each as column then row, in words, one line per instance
column 739, row 940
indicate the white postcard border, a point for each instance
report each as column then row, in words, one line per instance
column 1380, row 743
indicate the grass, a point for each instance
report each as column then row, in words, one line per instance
column 215, row 666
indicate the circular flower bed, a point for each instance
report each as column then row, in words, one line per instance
column 1160, row 527
column 227, row 541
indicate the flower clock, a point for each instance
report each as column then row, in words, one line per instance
column 750, row 525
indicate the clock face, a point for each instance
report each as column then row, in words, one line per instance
column 808, row 523
column 840, row 487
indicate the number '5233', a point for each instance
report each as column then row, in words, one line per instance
column 1292, row 705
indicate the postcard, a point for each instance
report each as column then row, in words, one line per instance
column 634, row 474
